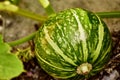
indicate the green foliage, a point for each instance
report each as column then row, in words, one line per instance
column 10, row 65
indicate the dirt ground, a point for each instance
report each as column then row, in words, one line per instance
column 18, row 27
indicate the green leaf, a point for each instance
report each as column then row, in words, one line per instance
column 10, row 65
column 4, row 47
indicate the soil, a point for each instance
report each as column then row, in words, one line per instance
column 17, row 27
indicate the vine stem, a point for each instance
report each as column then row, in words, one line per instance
column 31, row 15
column 113, row 14
column 6, row 5
column 22, row 40
column 48, row 8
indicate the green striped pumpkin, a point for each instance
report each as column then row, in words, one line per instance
column 73, row 44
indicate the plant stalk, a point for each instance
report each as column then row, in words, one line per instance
column 22, row 40
column 47, row 6
column 114, row 14
column 6, row 5
column 31, row 15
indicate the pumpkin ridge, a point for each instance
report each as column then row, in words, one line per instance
column 100, row 39
column 82, row 37
column 53, row 65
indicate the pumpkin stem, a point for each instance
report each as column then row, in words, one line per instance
column 84, row 68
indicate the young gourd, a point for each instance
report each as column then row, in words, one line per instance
column 73, row 44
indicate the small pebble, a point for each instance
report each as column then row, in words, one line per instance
column 113, row 76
